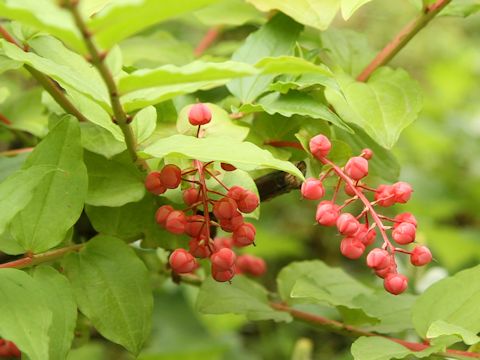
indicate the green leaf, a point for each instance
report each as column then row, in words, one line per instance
column 379, row 348
column 58, row 200
column 242, row 296
column 26, row 318
column 295, row 103
column 276, row 38
column 310, row 81
column 291, row 65
column 350, row 6
column 453, row 300
column 17, row 190
column 316, row 13
column 112, row 288
column 121, row 19
column 59, row 296
column 383, row 107
column 196, row 72
column 228, row 12
column 44, row 15
column 10, row 164
column 100, row 141
column 144, row 123
column 243, row 155
column 112, row 182
column 441, row 328
column 220, row 125
column 461, row 8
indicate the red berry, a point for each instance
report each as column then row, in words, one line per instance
column 420, row 256
column 357, row 168
column 176, row 222
column 404, row 217
column 312, row 189
column 225, row 208
column 153, row 183
column 182, row 262
column 171, row 176
column 349, row 190
column 402, row 191
column 395, row 283
column 162, row 214
column 378, row 259
column 365, row 235
column 222, row 242
column 198, row 248
column 385, row 195
column 347, row 224
column 223, row 259
column 251, row 265
column 390, row 269
column 249, row 202
column 230, row 225
column 191, row 196
column 222, row 275
column 367, row 153
column 327, row 213
column 199, row 114
column 195, row 225
column 351, row 248
column 244, row 235
column 404, row 233
column 227, row 167
column 236, row 193
column 320, row 146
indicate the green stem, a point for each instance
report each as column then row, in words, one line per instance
column 402, row 38
column 48, row 256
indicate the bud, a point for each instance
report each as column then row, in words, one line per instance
column 230, row 225
column 222, row 275
column 404, row 233
column 385, row 195
column 176, row 222
column 236, row 193
column 347, row 224
column 312, row 189
column 198, row 249
column 356, row 168
column 320, row 146
column 199, row 114
column 395, row 283
column 351, row 248
column 225, row 208
column 402, row 191
column 367, row 153
column 244, row 235
column 249, row 202
column 420, row 256
column 191, row 196
column 171, row 176
column 404, row 217
column 223, row 259
column 162, row 214
column 182, row 262
column 153, row 183
column 327, row 213
column 365, row 235
column 222, row 242
column 252, row 265
column 378, row 259
column 195, row 226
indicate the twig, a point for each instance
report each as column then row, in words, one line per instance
column 208, row 40
column 402, row 38
column 30, row 260
column 16, row 151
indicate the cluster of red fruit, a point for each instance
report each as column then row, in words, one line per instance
column 359, row 235
column 228, row 209
column 9, row 350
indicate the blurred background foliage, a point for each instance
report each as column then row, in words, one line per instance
column 438, row 154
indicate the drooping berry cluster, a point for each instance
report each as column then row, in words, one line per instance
column 196, row 220
column 359, row 231
column 9, row 350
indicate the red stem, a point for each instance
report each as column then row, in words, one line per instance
column 209, row 38
column 31, row 259
column 204, row 194
column 217, row 179
column 5, row 120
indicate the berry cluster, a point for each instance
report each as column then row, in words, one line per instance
column 360, row 231
column 197, row 219
column 9, row 350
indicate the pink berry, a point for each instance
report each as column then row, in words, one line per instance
column 357, row 168
column 236, row 193
column 162, row 214
column 390, row 269
column 195, row 225
column 230, row 225
column 227, row 167
column 153, row 183
column 367, row 153
column 404, row 217
column 222, row 275
column 351, row 248
column 365, row 235
column 312, row 189
column 198, row 248
column 395, row 283
column 402, row 191
column 199, row 114
column 225, row 208
column 327, row 213
column 222, row 242
column 223, row 259
column 182, row 262
column 378, row 259
column 320, row 146
column 385, row 195
column 347, row 224
column 420, row 256
column 171, row 176
column 176, row 222
column 404, row 233
column 249, row 202
column 349, row 190
column 252, row 265
column 191, row 196
column 244, row 235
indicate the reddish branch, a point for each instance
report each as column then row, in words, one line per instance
column 402, row 38
column 31, row 259
column 208, row 40
column 5, row 120
column 16, row 151
column 339, row 326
